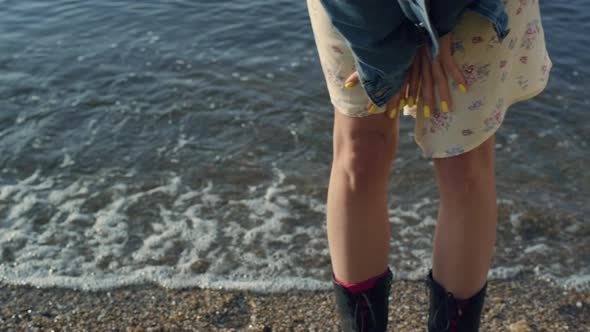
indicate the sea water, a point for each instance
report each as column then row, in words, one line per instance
column 189, row 143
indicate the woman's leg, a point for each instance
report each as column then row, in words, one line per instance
column 357, row 215
column 465, row 233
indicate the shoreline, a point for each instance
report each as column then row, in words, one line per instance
column 519, row 304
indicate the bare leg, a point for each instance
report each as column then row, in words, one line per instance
column 465, row 233
column 357, row 218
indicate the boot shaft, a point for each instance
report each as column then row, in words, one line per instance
column 449, row 314
column 366, row 311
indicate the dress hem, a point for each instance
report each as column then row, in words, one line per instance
column 491, row 132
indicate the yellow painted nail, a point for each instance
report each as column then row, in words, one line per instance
column 462, row 88
column 392, row 113
column 402, row 102
column 350, row 84
column 426, row 111
column 373, row 108
column 410, row 101
column 444, row 106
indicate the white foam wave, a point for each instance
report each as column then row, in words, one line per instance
column 269, row 238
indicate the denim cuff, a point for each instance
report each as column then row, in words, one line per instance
column 380, row 87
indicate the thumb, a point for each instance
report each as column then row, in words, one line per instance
column 352, row 80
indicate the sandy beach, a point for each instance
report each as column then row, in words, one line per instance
column 520, row 304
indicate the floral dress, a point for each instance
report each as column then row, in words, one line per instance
column 498, row 74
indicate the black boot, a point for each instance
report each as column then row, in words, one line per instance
column 365, row 311
column 449, row 314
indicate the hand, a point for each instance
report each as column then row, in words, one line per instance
column 418, row 86
column 425, row 74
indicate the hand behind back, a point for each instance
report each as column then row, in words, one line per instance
column 421, row 79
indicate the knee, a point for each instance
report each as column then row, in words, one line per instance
column 465, row 173
column 365, row 158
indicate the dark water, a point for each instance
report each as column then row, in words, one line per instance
column 189, row 143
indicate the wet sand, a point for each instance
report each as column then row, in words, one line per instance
column 516, row 305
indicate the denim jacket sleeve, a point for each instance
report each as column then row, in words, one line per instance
column 383, row 35
column 382, row 40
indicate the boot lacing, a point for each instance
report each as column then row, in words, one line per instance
column 453, row 307
column 364, row 304
column 455, row 311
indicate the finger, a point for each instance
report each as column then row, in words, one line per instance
column 352, row 80
column 404, row 91
column 392, row 105
column 427, row 90
column 418, row 99
column 442, row 84
column 414, row 77
column 449, row 65
column 371, row 108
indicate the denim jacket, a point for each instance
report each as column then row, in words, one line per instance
column 384, row 35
